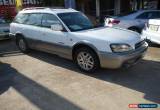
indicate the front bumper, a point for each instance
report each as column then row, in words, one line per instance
column 118, row 60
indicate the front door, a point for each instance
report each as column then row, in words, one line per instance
column 53, row 41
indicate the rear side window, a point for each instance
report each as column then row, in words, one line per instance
column 21, row 18
column 34, row 19
column 153, row 15
column 49, row 19
column 149, row 15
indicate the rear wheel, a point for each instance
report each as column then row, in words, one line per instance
column 22, row 44
column 86, row 59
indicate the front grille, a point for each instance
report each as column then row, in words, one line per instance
column 140, row 44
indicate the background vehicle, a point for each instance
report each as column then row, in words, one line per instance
column 152, row 31
column 134, row 21
column 4, row 29
column 70, row 34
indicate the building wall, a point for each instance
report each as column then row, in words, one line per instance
column 25, row 2
column 125, row 6
column 8, row 8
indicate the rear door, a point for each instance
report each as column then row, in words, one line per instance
column 32, row 29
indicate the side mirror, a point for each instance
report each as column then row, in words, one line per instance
column 57, row 27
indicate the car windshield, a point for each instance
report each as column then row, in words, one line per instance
column 76, row 21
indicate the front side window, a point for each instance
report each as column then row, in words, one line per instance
column 49, row 19
column 76, row 21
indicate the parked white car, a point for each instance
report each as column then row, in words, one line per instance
column 70, row 34
column 152, row 31
column 134, row 21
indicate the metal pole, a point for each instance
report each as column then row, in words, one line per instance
column 97, row 8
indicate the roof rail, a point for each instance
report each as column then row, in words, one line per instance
column 32, row 8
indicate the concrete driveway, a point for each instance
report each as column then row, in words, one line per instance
column 41, row 81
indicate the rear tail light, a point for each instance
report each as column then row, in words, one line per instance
column 114, row 22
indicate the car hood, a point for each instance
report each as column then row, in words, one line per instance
column 112, row 35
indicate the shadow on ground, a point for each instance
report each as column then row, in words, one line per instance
column 143, row 77
column 6, row 78
column 39, row 95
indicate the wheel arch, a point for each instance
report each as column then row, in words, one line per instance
column 85, row 45
column 20, row 35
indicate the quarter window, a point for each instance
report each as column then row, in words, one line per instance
column 21, row 18
column 49, row 19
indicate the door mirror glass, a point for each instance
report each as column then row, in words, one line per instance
column 57, row 27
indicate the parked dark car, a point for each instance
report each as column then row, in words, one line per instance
column 4, row 29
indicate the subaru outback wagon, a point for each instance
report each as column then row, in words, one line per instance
column 70, row 34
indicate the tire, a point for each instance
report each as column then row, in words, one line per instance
column 86, row 59
column 22, row 45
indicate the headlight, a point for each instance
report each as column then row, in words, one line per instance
column 120, row 48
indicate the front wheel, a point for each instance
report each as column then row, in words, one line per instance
column 86, row 59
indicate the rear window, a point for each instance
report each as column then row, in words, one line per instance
column 34, row 19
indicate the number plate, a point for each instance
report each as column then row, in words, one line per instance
column 153, row 27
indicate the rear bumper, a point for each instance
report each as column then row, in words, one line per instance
column 114, row 61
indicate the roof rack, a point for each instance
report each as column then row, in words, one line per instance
column 33, row 8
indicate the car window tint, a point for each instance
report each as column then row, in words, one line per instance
column 34, row 19
column 143, row 16
column 21, row 18
column 149, row 15
column 154, row 15
column 49, row 19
